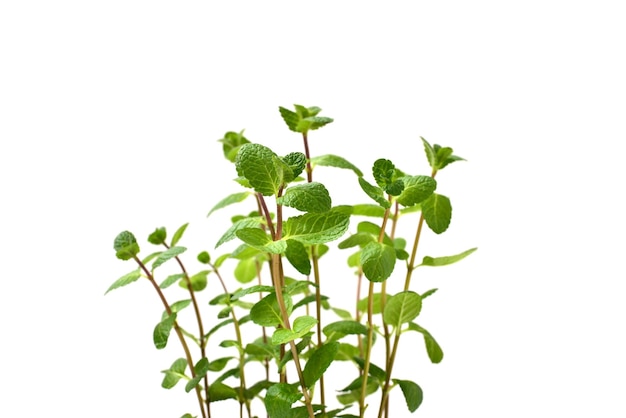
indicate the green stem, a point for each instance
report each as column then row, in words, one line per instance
column 318, row 314
column 196, row 309
column 370, row 323
column 407, row 282
column 242, row 359
column 179, row 333
column 285, row 317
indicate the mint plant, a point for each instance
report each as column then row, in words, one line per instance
column 286, row 223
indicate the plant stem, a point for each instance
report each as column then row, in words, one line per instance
column 309, row 169
column 285, row 317
column 318, row 314
column 242, row 358
column 196, row 309
column 409, row 273
column 180, row 335
column 370, row 323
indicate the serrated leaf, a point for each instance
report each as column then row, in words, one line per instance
column 435, row 353
column 296, row 162
column 374, row 192
column 375, row 371
column 385, row 174
column 444, row 261
column 431, row 156
column 170, row 280
column 259, row 239
column 290, row 118
column 231, row 143
column 178, row 234
column 298, row 256
column 428, row 293
column 316, row 228
column 261, row 167
column 401, row 308
column 378, row 261
column 413, row 394
column 231, row 233
column 416, row 189
column 178, row 306
column 219, row 391
column 279, row 398
column 330, row 160
column 128, row 278
column 125, row 246
column 308, row 197
column 266, row 312
column 437, row 212
column 229, row 200
column 162, row 331
column 167, row 255
column 319, row 361
column 158, row 236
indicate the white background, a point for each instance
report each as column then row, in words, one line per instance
column 109, row 117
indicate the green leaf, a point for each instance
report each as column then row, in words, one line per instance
column 437, row 212
column 297, row 162
column 162, row 331
column 330, row 160
column 253, row 289
column 386, row 177
column 178, row 306
column 170, row 280
column 198, row 281
column 204, row 257
column 246, row 270
column 158, row 236
column 219, row 391
column 413, row 394
column 201, row 368
column 368, row 210
column 290, row 118
column 279, row 398
column 378, row 261
column 336, row 330
column 167, row 255
column 402, row 308
column 360, row 238
column 261, row 167
column 124, row 280
column 266, row 312
column 319, row 361
column 174, row 373
column 375, row 371
column 444, row 261
column 377, row 301
column 416, row 189
column 231, row 233
column 232, row 141
column 298, row 256
column 308, row 197
column 428, row 293
column 301, row 326
column 229, row 200
column 316, row 228
column 125, row 246
column 178, row 234
column 435, row 353
column 431, row 156
column 259, row 239
column 376, row 193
